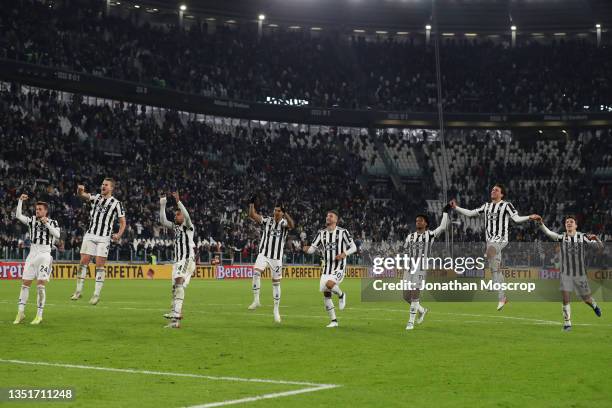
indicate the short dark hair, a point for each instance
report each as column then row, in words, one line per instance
column 424, row 217
column 278, row 205
column 334, row 212
column 44, row 204
column 501, row 187
column 570, row 216
column 112, row 180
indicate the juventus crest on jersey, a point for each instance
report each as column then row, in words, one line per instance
column 331, row 244
column 39, row 233
column 102, row 215
column 497, row 216
column 273, row 236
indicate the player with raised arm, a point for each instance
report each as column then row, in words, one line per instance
column 335, row 244
column 104, row 209
column 497, row 214
column 271, row 245
column 573, row 274
column 419, row 245
column 43, row 232
column 184, row 256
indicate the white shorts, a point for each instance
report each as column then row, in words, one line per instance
column 579, row 284
column 417, row 278
column 337, row 277
column 499, row 246
column 183, row 269
column 95, row 245
column 276, row 266
column 38, row 266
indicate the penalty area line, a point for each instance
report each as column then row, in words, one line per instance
column 308, row 386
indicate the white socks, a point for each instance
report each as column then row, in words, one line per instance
column 329, row 307
column 413, row 312
column 276, row 294
column 81, row 278
column 497, row 276
column 100, row 275
column 257, row 285
column 42, row 296
column 179, row 296
column 336, row 289
column 23, row 297
column 567, row 314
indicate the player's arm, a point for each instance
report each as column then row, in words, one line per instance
column 163, row 220
column 252, row 212
column 290, row 222
column 52, row 226
column 18, row 213
column 348, row 240
column 315, row 245
column 184, row 211
column 444, row 223
column 593, row 240
column 122, row 222
column 464, row 211
column 550, row 234
column 82, row 194
column 521, row 218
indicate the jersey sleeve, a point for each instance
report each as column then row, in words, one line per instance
column 264, row 219
column 120, row 210
column 93, row 197
column 317, row 240
column 347, row 238
column 511, row 210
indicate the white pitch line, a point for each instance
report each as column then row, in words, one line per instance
column 311, row 387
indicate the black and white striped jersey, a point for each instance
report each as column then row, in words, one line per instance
column 420, row 245
column 102, row 215
column 183, row 242
column 273, row 236
column 496, row 216
column 331, row 244
column 39, row 233
column 572, row 251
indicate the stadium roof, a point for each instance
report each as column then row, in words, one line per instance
column 459, row 15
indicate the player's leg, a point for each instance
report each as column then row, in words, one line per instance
column 179, row 297
column 277, row 275
column 178, row 274
column 88, row 249
column 327, row 301
column 43, row 276
column 494, row 257
column 23, row 299
column 333, row 285
column 100, row 277
column 260, row 267
column 567, row 311
column 583, row 289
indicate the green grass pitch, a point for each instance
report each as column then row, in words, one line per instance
column 464, row 354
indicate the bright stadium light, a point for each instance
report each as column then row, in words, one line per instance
column 183, row 7
column 597, row 25
column 513, row 28
column 136, row 6
column 428, row 27
column 261, row 17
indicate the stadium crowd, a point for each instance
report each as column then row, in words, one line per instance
column 327, row 71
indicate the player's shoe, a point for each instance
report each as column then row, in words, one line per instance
column 19, row 318
column 277, row 317
column 254, row 305
column 502, row 303
column 410, row 326
column 597, row 311
column 172, row 315
column 94, row 300
column 333, row 323
column 175, row 324
column 567, row 327
column 342, row 301
column 75, row 296
column 37, row 320
column 422, row 315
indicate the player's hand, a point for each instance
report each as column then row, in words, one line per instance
column 253, row 199
column 446, row 208
column 44, row 220
column 163, row 200
column 24, row 197
column 176, row 196
column 340, row 257
column 535, row 217
column 116, row 237
column 80, row 189
column 592, row 237
column 453, row 203
column 306, row 248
